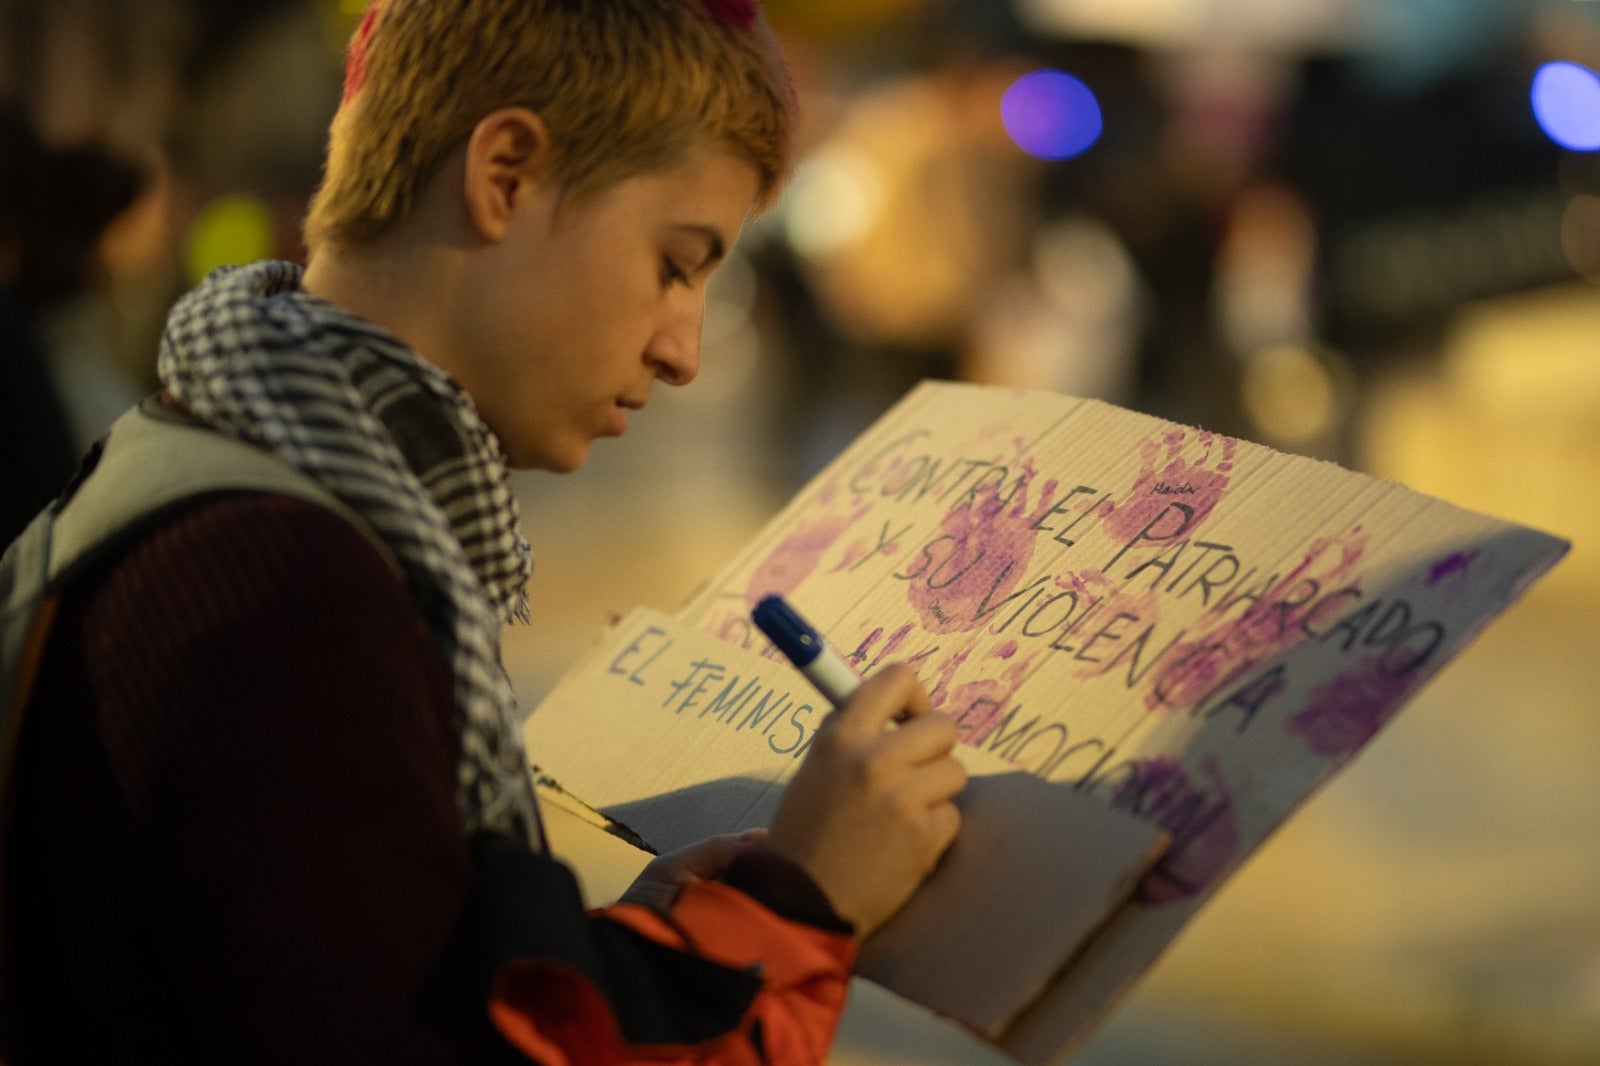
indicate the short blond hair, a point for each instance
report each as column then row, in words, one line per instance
column 624, row 87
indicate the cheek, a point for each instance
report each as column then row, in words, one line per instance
column 555, row 322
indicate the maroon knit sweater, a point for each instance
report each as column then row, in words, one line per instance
column 235, row 830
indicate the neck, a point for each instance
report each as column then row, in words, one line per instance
column 385, row 284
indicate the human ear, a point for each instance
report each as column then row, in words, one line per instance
column 506, row 159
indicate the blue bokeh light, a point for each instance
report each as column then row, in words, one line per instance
column 1566, row 101
column 1051, row 114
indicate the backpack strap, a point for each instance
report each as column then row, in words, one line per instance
column 23, row 571
column 152, row 463
column 156, row 461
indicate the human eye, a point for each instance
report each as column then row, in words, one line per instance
column 671, row 273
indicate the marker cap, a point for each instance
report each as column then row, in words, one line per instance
column 790, row 633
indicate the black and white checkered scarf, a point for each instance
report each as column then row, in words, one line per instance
column 252, row 354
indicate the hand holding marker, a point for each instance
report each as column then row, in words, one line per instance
column 805, row 648
column 872, row 808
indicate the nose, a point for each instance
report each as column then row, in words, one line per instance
column 674, row 350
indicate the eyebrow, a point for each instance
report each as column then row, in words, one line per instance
column 717, row 246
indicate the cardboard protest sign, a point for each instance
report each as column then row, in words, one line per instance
column 679, row 736
column 1190, row 631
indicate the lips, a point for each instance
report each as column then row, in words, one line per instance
column 619, row 414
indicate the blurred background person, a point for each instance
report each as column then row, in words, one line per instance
column 37, row 442
column 134, row 141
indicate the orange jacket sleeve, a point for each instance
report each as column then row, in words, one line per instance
column 554, row 1014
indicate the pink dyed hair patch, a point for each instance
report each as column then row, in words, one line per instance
column 355, row 65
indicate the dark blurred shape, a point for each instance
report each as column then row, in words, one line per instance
column 220, row 26
column 54, row 205
column 55, row 202
column 34, row 438
column 206, row 33
column 1456, row 197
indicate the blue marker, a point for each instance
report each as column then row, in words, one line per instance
column 804, row 647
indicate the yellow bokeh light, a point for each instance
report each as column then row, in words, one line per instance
column 230, row 230
column 1290, row 394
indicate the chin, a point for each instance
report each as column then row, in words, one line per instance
column 554, row 461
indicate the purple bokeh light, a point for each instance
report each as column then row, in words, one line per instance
column 1051, row 115
column 1566, row 101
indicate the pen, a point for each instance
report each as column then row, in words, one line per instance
column 804, row 647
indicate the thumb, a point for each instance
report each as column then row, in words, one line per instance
column 711, row 856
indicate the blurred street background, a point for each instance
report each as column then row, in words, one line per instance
column 1363, row 230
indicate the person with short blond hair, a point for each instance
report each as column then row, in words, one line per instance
column 269, row 800
column 623, row 88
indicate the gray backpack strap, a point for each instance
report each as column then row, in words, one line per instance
column 155, row 461
column 24, row 573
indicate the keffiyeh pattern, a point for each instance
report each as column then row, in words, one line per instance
column 254, row 356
